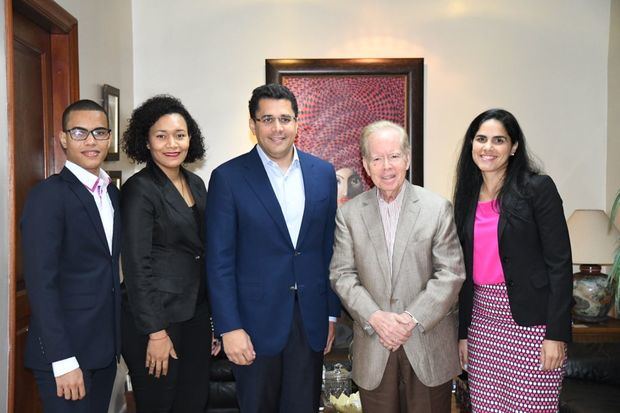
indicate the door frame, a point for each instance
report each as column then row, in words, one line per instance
column 63, row 29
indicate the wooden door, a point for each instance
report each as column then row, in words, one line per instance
column 42, row 81
column 32, row 91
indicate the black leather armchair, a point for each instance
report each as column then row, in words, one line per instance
column 592, row 381
column 222, row 388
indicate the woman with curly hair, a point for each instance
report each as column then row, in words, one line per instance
column 167, row 336
column 515, row 304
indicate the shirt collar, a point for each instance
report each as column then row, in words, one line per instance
column 397, row 201
column 269, row 163
column 89, row 180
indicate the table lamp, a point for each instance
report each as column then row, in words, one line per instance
column 593, row 244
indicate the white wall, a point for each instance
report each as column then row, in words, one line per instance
column 106, row 55
column 545, row 61
column 613, row 109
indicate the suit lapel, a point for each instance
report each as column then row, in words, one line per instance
column 88, row 202
column 116, row 232
column 407, row 220
column 257, row 178
column 308, row 172
column 503, row 220
column 372, row 220
column 174, row 199
column 200, row 198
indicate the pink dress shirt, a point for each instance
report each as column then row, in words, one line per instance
column 487, row 264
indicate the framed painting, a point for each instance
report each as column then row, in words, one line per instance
column 338, row 97
column 117, row 178
column 111, row 103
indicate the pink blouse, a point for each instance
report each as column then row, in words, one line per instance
column 487, row 264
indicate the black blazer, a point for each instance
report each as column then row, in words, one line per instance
column 536, row 258
column 162, row 250
column 71, row 277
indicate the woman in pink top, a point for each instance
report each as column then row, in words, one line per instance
column 515, row 304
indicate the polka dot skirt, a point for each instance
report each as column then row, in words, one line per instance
column 504, row 359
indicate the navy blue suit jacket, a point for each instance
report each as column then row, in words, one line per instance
column 251, row 261
column 71, row 278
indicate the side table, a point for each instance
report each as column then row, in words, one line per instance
column 605, row 332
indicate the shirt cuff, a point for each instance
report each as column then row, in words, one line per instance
column 61, row 367
column 411, row 315
column 333, row 319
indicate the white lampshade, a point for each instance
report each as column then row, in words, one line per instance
column 592, row 240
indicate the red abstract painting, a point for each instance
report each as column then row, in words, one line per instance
column 337, row 98
column 333, row 110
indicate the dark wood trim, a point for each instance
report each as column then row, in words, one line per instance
column 10, row 94
column 65, row 88
column 47, row 14
column 607, row 331
column 413, row 68
column 74, row 85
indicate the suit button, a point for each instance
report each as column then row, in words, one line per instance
column 197, row 257
column 510, row 283
column 393, row 301
column 506, row 260
column 113, row 289
column 297, row 253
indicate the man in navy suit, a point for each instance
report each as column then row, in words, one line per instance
column 270, row 231
column 70, row 247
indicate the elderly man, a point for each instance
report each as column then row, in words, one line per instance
column 398, row 267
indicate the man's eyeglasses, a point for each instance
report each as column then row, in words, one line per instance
column 81, row 134
column 269, row 120
column 392, row 159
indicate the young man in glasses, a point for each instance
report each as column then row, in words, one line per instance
column 70, row 247
column 270, row 228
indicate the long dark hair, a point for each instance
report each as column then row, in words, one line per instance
column 469, row 178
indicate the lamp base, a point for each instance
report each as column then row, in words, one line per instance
column 593, row 296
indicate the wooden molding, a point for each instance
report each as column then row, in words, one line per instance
column 46, row 13
column 10, row 94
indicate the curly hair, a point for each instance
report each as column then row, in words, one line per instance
column 135, row 138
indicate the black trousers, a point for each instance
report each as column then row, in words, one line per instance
column 185, row 389
column 98, row 384
column 287, row 382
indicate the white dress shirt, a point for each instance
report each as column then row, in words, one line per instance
column 289, row 189
column 390, row 212
column 98, row 187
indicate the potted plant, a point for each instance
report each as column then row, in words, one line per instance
column 614, row 275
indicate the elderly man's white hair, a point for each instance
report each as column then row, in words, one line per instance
column 405, row 145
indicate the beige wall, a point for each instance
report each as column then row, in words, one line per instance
column 545, row 61
column 555, row 64
column 106, row 55
column 613, row 109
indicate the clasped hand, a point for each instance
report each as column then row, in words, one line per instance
column 393, row 329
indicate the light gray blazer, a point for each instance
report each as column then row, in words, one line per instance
column 427, row 273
